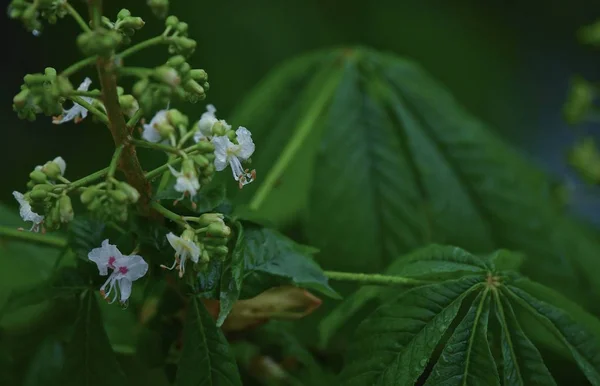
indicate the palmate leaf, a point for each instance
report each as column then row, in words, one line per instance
column 441, row 334
column 206, row 358
column 89, row 359
column 380, row 159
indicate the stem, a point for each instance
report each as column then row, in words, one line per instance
column 92, row 94
column 112, row 168
column 73, row 68
column 32, row 237
column 135, row 118
column 156, row 172
column 168, row 214
column 139, row 72
column 377, row 279
column 156, row 146
column 295, row 143
column 86, row 180
column 77, row 17
column 187, row 136
column 145, row 44
column 97, row 113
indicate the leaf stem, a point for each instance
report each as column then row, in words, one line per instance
column 373, row 279
column 73, row 12
column 32, row 237
column 168, row 214
column 73, row 68
column 142, row 45
column 89, row 107
column 295, row 143
column 112, row 168
column 86, row 180
column 156, row 146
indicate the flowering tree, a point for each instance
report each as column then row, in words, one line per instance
column 444, row 316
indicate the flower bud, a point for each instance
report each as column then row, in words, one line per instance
column 52, row 219
column 30, row 185
column 118, row 195
column 201, row 161
column 199, row 75
column 209, row 218
column 132, row 194
column 123, row 14
column 189, row 235
column 50, row 72
column 219, row 252
column 89, row 194
column 95, row 204
column 52, row 170
column 35, row 79
column 172, row 21
column 164, row 129
column 128, row 104
column 219, row 230
column 176, row 61
column 140, row 86
column 167, row 75
column 38, row 195
column 21, row 98
column 182, row 27
column 176, row 118
column 65, row 209
column 204, row 257
column 132, row 22
column 38, row 177
column 220, row 128
column 44, row 187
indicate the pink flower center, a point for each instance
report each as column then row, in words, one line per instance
column 111, row 262
column 123, row 270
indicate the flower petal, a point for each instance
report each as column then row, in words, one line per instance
column 136, row 267
column 102, row 256
column 125, row 288
column 25, row 210
column 244, row 139
column 61, row 164
column 85, row 84
column 221, row 144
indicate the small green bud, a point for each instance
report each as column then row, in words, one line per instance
column 50, row 72
column 95, row 204
column 123, row 14
column 219, row 129
column 182, row 27
column 128, row 104
column 21, row 98
column 231, row 135
column 206, row 86
column 208, row 170
column 218, row 230
column 65, row 209
column 30, row 184
column 219, row 252
column 38, row 195
column 184, row 69
column 188, row 168
column 164, row 129
column 89, row 194
column 38, row 177
column 52, row 170
column 167, row 75
column 176, row 61
column 119, row 196
column 52, row 220
column 199, row 75
column 204, row 257
column 35, row 79
column 209, row 218
column 201, row 161
column 132, row 194
column 185, row 46
column 132, row 22
column 176, row 118
column 140, row 86
column 43, row 187
column 160, row 8
column 172, row 21
column 189, row 235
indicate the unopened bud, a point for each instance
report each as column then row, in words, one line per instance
column 123, row 14
column 164, row 129
column 201, row 161
column 176, row 118
column 189, row 235
column 132, row 22
column 65, row 209
column 44, row 187
column 21, row 98
column 219, row 252
column 132, row 194
column 209, row 218
column 89, row 194
column 182, row 27
column 52, row 170
column 160, row 8
column 140, row 86
column 38, row 177
column 176, row 61
column 38, row 195
column 220, row 128
column 218, row 230
column 118, row 195
column 172, row 21
column 167, row 75
column 199, row 75
column 204, row 257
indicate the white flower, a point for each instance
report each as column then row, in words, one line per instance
column 206, row 122
column 227, row 152
column 187, row 183
column 184, row 247
column 125, row 270
column 76, row 113
column 151, row 133
column 27, row 214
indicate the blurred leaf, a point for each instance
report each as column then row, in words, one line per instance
column 232, row 276
column 84, row 235
column 272, row 259
column 208, row 197
column 45, row 366
column 388, row 161
column 523, row 364
column 393, row 345
column 89, row 359
column 206, row 358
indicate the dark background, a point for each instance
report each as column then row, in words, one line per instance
column 508, row 62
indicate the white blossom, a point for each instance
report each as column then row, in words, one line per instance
column 227, row 152
column 206, row 123
column 185, row 248
column 151, row 133
column 77, row 112
column 27, row 214
column 187, row 183
column 125, row 270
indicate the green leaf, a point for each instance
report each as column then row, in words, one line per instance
column 89, row 359
column 583, row 345
column 232, row 276
column 85, row 235
column 466, row 358
column 272, row 259
column 523, row 364
column 503, row 260
column 394, row 345
column 46, row 364
column 433, row 262
column 206, row 358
